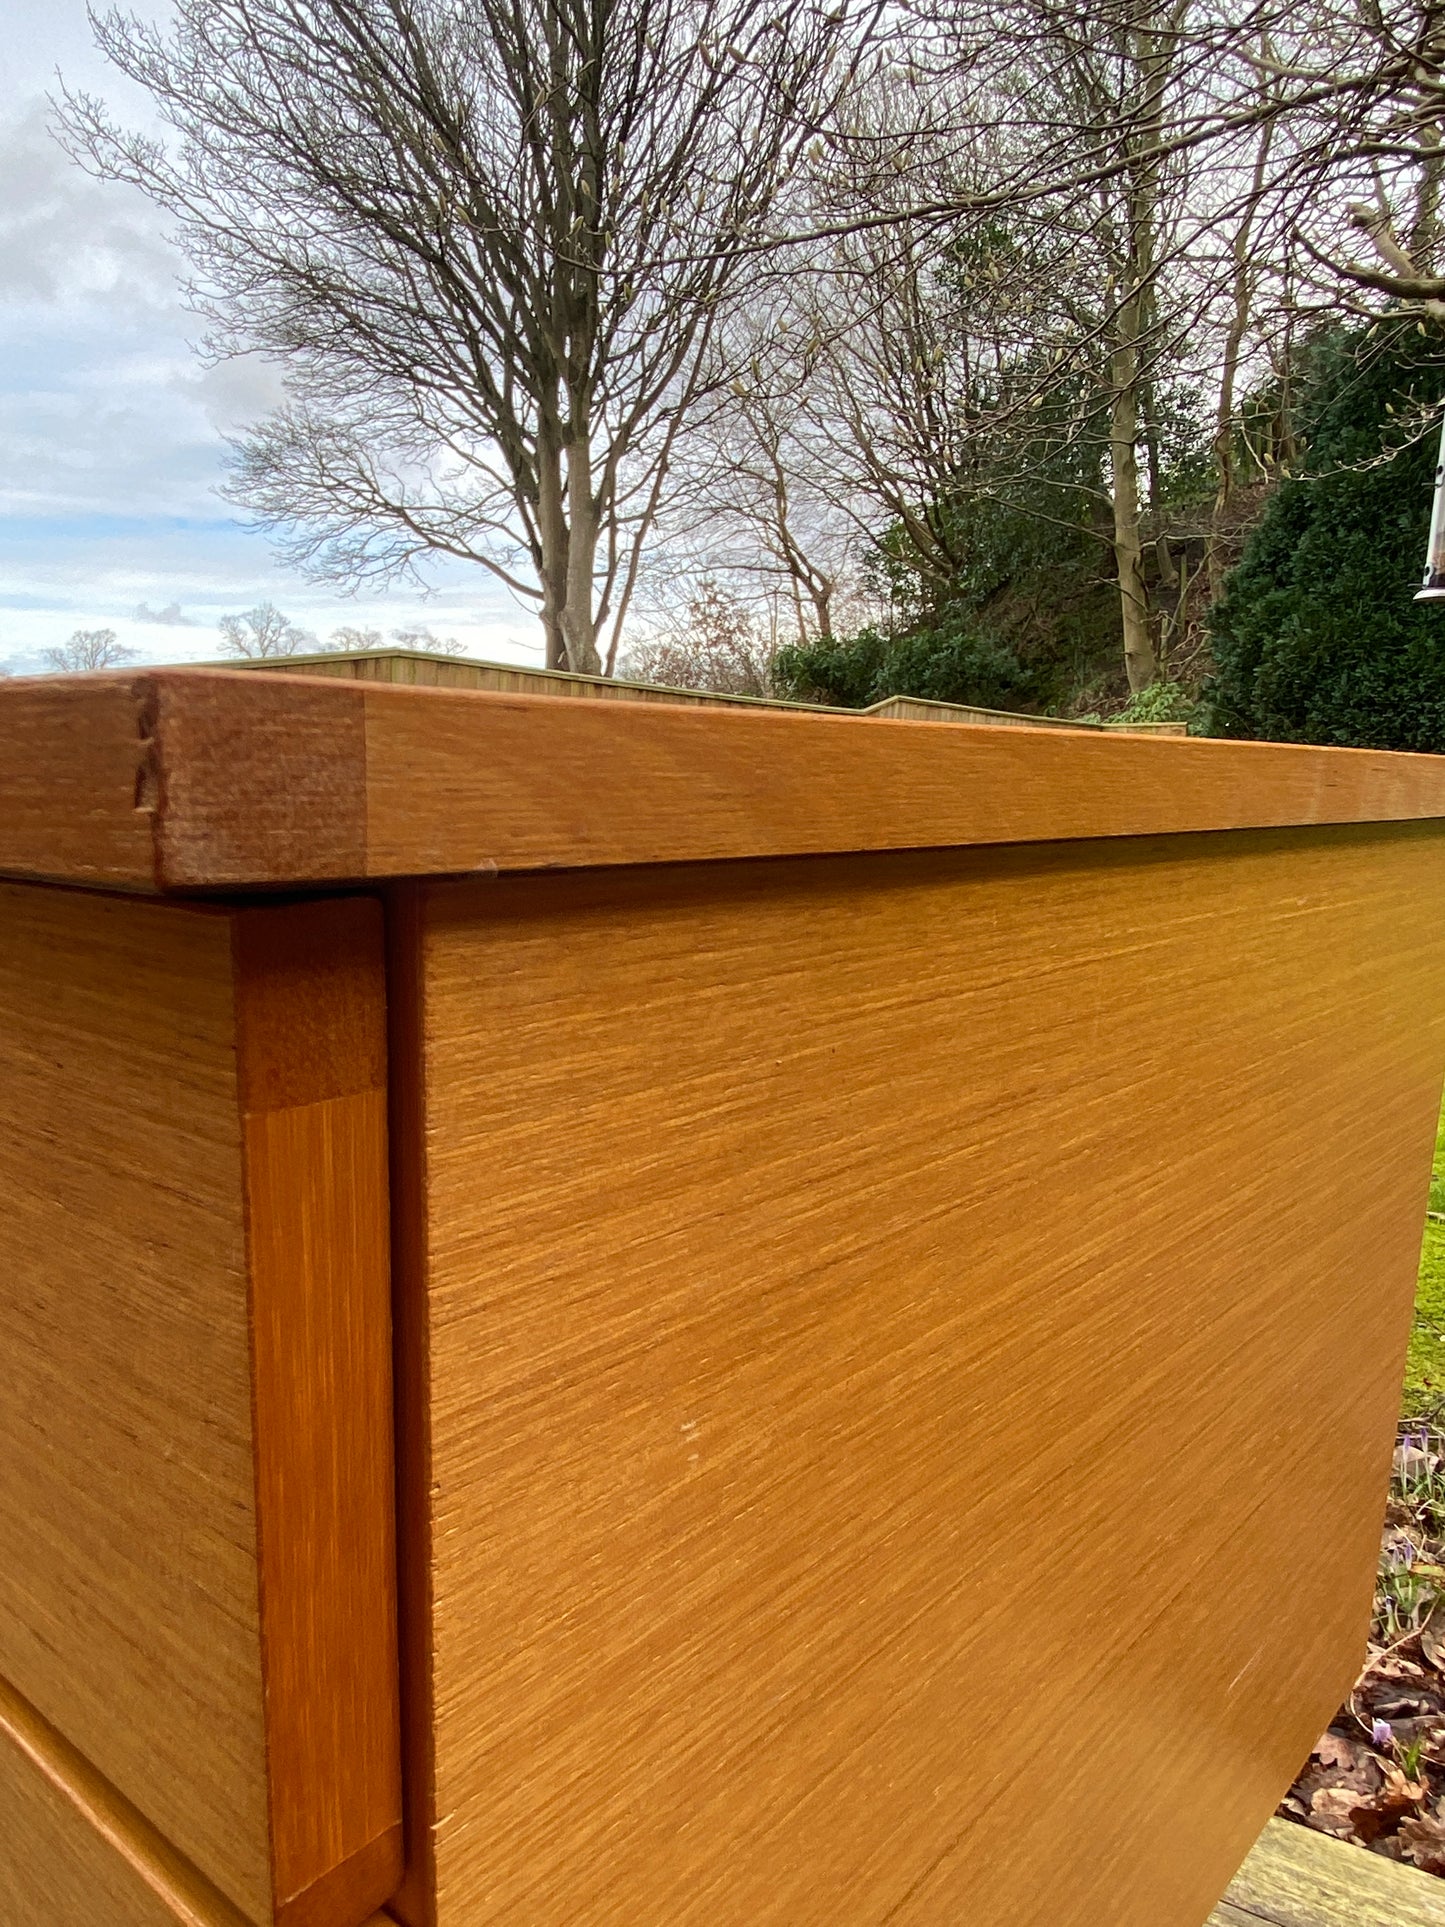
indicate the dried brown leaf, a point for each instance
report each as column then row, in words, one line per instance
column 1400, row 1793
column 1349, row 1814
column 1333, row 1810
column 1391, row 1668
column 1422, row 1839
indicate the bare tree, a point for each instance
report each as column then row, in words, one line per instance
column 1131, row 84
column 718, row 645
column 489, row 245
column 419, row 636
column 1116, row 175
column 415, row 636
column 1106, row 95
column 754, row 516
column 1362, row 88
column 1067, row 250
column 263, row 631
column 758, row 491
column 914, row 367
column 88, row 649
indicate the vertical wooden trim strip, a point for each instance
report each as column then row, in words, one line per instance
column 311, row 1044
column 414, row 1904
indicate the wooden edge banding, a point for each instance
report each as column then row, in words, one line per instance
column 465, row 782
column 311, row 1016
column 414, row 1902
column 237, row 786
column 78, row 796
column 151, row 1859
column 350, row 1889
column 194, row 779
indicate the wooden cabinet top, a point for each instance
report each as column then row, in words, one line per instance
column 186, row 779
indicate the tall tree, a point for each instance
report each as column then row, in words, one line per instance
column 265, row 631
column 489, row 241
column 88, row 649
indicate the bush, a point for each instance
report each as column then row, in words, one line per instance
column 833, row 669
column 955, row 664
column 1316, row 638
column 1161, row 702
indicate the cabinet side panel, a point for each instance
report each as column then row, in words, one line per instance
column 128, row 1604
column 879, row 1312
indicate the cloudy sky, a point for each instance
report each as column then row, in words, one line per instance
column 112, row 430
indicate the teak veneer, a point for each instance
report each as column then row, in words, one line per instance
column 188, row 780
column 196, row 1545
column 657, row 1293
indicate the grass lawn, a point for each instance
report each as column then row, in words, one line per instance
column 1425, row 1372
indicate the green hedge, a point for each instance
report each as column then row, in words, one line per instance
column 1317, row 638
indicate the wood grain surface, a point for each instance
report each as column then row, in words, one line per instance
column 405, row 929
column 196, row 1483
column 128, row 1608
column 75, row 1854
column 77, row 781
column 259, row 780
column 311, row 1045
column 876, row 1316
column 1296, row 1878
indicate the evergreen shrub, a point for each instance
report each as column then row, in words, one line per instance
column 1317, row 638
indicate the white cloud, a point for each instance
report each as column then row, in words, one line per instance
column 43, row 44
column 66, row 238
column 171, row 617
column 112, row 427
column 232, row 394
column 100, row 410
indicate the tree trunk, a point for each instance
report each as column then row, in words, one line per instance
column 568, row 529
column 552, row 633
column 584, row 525
column 1224, row 422
column 1139, row 658
column 1151, row 43
column 1224, row 439
column 1163, row 554
column 550, row 555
